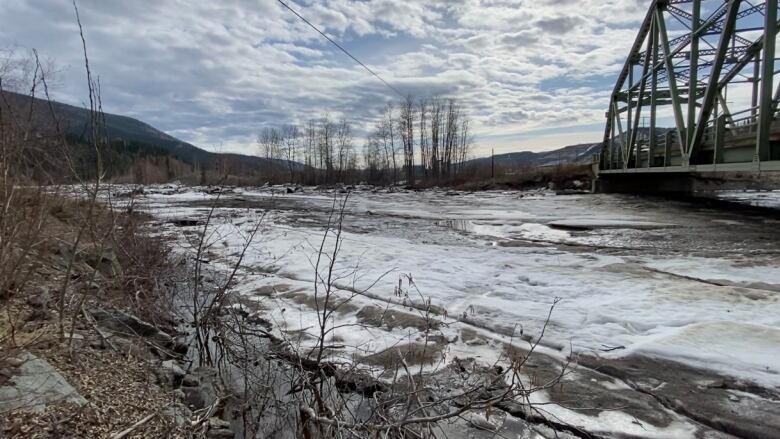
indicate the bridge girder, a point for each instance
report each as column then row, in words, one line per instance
column 721, row 56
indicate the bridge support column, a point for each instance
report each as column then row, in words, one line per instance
column 720, row 134
column 766, row 111
column 645, row 183
column 668, row 149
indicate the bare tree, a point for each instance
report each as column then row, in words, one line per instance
column 310, row 147
column 406, row 127
column 326, row 140
column 271, row 147
column 388, row 134
column 345, row 149
column 436, row 126
column 424, row 144
column 291, row 146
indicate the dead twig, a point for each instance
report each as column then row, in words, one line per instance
column 133, row 427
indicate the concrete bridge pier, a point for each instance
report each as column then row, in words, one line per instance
column 647, row 184
column 683, row 183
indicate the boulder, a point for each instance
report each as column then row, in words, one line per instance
column 130, row 325
column 219, row 429
column 39, row 298
column 33, row 384
column 170, row 374
column 106, row 263
column 480, row 422
column 199, row 387
column 190, row 380
column 178, row 413
column 134, row 348
column 78, row 340
column 180, row 345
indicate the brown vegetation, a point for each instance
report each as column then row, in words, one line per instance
column 62, row 259
column 561, row 177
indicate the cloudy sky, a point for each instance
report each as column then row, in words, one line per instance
column 532, row 74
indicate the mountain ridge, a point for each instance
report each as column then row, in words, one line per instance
column 579, row 153
column 145, row 140
column 74, row 122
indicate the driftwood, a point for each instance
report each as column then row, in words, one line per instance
column 95, row 326
column 132, row 428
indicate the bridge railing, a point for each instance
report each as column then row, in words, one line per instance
column 740, row 124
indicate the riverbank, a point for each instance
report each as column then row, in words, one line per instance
column 644, row 284
column 447, row 290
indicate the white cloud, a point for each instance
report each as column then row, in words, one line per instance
column 217, row 72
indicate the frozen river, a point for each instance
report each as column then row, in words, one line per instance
column 658, row 278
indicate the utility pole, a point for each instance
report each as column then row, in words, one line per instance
column 492, row 164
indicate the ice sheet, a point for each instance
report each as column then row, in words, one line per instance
column 488, row 268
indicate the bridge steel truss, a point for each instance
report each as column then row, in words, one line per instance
column 687, row 55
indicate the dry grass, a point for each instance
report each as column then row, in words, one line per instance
column 119, row 390
column 119, row 387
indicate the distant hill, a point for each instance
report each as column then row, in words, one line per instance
column 568, row 155
column 131, row 139
column 572, row 154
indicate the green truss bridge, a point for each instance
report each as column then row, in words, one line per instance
column 696, row 99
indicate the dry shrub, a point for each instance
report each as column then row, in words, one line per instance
column 147, row 281
column 22, row 219
column 526, row 177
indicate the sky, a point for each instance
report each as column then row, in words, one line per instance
column 531, row 74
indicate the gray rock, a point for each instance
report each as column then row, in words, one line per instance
column 98, row 343
column 107, row 263
column 463, row 428
column 126, row 324
column 37, row 315
column 77, row 340
column 14, row 362
column 134, row 348
column 219, row 429
column 39, row 298
column 178, row 413
column 193, row 397
column 199, row 388
column 220, row 433
column 199, row 397
column 34, row 385
column 479, row 421
column 170, row 374
column 174, row 367
column 180, row 345
column 179, row 395
column 190, row 381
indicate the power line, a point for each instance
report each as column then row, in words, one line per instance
column 341, row 48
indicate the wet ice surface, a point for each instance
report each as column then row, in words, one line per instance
column 635, row 276
column 652, row 277
column 665, row 278
column 767, row 199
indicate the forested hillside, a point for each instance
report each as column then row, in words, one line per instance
column 131, row 150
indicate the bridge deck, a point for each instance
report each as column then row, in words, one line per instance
column 735, row 151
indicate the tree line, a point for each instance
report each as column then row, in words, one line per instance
column 417, row 140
